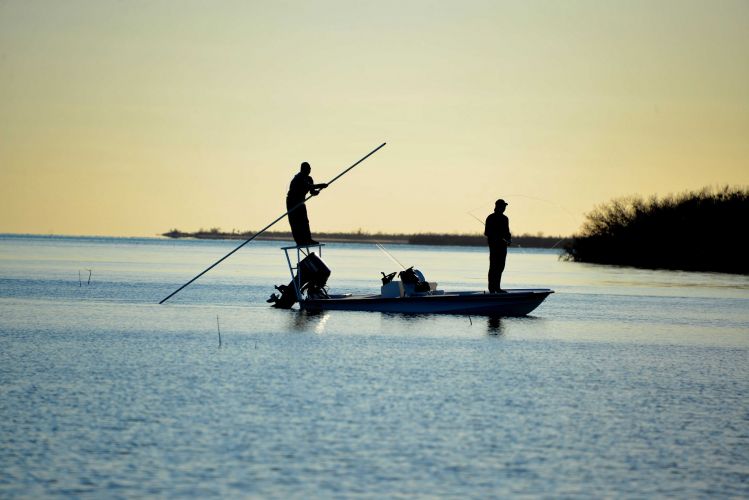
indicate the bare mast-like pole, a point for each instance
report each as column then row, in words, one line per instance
column 268, row 226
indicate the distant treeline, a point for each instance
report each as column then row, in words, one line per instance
column 694, row 231
column 525, row 241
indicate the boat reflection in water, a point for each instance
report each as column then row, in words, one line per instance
column 410, row 294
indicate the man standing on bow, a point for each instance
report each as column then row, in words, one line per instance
column 497, row 232
column 300, row 185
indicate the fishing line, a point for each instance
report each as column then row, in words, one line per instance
column 482, row 222
column 390, row 255
column 535, row 198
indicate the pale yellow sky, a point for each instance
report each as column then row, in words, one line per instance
column 134, row 117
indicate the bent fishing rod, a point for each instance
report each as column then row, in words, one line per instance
column 269, row 225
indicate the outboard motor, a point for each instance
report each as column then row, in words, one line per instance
column 312, row 276
column 413, row 281
column 313, row 271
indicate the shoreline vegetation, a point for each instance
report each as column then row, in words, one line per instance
column 522, row 241
column 692, row 231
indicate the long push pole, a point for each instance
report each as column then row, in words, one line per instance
column 268, row 226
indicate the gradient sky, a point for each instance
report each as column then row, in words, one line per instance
column 135, row 117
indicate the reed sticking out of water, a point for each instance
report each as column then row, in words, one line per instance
column 80, row 281
column 694, row 231
column 218, row 327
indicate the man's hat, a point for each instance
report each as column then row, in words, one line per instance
column 500, row 202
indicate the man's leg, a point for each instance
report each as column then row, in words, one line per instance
column 501, row 256
column 493, row 281
column 297, row 229
column 304, row 231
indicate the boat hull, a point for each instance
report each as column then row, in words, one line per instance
column 510, row 303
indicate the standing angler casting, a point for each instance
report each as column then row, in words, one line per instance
column 497, row 232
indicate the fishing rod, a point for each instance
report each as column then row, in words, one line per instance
column 482, row 222
column 390, row 255
column 470, row 212
column 269, row 225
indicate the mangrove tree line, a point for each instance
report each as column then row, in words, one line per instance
column 694, row 231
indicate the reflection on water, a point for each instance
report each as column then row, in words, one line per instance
column 308, row 321
column 107, row 394
column 494, row 325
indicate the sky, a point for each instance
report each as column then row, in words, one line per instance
column 130, row 118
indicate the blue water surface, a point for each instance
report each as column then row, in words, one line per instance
column 626, row 383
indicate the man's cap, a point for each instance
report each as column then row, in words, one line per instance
column 500, row 202
column 305, row 165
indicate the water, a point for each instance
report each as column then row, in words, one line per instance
column 623, row 383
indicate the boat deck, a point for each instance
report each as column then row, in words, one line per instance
column 515, row 302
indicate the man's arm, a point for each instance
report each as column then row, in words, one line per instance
column 314, row 189
column 490, row 231
column 507, row 238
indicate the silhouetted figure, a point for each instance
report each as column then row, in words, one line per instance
column 497, row 232
column 300, row 185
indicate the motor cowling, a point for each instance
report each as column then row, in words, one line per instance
column 313, row 274
column 313, row 271
column 413, row 281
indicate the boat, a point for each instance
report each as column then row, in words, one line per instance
column 411, row 293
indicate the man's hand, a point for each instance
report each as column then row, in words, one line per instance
column 322, row 186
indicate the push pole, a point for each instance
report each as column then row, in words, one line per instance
column 268, row 226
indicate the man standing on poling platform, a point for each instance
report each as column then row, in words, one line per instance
column 498, row 233
column 300, row 185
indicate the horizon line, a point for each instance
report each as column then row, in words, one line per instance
column 220, row 232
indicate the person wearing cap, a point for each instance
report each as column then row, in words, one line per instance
column 300, row 185
column 497, row 232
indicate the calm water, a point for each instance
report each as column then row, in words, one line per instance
column 625, row 383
